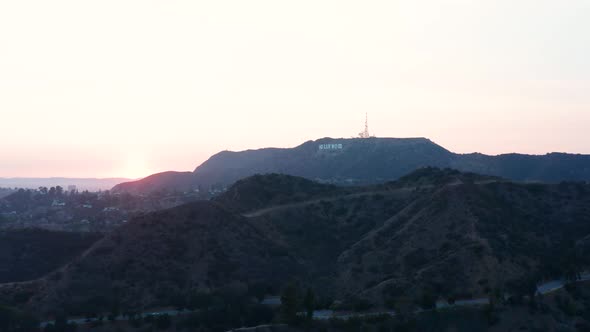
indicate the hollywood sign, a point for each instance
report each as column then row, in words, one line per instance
column 330, row 146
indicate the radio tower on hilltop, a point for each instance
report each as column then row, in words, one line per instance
column 365, row 133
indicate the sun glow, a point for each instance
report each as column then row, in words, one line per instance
column 136, row 167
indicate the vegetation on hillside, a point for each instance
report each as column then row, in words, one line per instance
column 28, row 254
column 436, row 235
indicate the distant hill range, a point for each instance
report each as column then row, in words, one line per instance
column 362, row 161
column 89, row 184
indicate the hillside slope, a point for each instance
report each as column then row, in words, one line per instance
column 411, row 235
column 156, row 258
column 469, row 240
column 432, row 234
column 181, row 181
column 261, row 191
column 32, row 253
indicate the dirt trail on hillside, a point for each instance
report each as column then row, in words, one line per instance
column 264, row 211
column 261, row 212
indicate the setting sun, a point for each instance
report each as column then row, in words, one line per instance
column 136, row 167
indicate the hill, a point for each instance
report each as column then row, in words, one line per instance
column 261, row 191
column 434, row 234
column 552, row 167
column 469, row 240
column 159, row 257
column 181, row 181
column 362, row 161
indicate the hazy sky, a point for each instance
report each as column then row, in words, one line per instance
column 128, row 88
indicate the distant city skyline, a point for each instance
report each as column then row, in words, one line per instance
column 129, row 88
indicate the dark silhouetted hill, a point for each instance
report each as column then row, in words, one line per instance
column 362, row 161
column 261, row 191
column 552, row 167
column 157, row 258
column 181, row 181
column 436, row 233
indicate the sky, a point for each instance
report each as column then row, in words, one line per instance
column 132, row 87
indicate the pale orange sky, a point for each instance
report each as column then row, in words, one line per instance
column 128, row 88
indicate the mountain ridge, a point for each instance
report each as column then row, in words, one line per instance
column 362, row 161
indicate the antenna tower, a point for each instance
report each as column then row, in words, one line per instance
column 365, row 133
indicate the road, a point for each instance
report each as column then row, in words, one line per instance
column 330, row 314
column 79, row 321
column 264, row 211
column 545, row 288
column 553, row 285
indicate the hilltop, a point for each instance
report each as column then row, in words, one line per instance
column 259, row 191
column 360, row 162
column 171, row 181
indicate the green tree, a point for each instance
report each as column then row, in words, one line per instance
column 61, row 325
column 428, row 300
column 199, row 300
column 163, row 322
column 12, row 320
column 309, row 303
column 290, row 303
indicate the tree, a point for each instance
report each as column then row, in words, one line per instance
column 428, row 300
column 309, row 303
column 491, row 315
column 135, row 320
column 199, row 300
column 258, row 314
column 115, row 312
column 163, row 322
column 258, row 290
column 12, row 320
column 61, row 325
column 290, row 303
